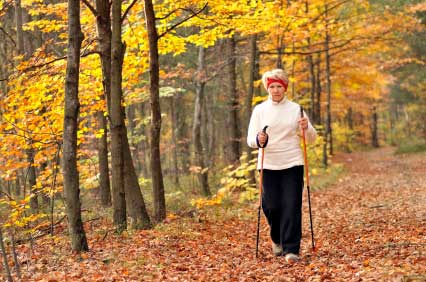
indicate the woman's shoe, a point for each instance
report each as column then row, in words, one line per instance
column 277, row 249
column 291, row 258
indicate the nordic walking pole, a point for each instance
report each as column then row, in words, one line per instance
column 305, row 155
column 260, row 193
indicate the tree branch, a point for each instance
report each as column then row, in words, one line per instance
column 91, row 8
column 127, row 10
column 4, row 79
column 8, row 36
column 182, row 21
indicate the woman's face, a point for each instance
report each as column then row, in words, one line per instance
column 276, row 90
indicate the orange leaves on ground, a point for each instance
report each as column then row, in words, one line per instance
column 368, row 228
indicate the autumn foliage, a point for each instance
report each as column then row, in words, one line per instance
column 372, row 93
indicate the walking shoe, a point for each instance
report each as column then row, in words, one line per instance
column 277, row 249
column 291, row 258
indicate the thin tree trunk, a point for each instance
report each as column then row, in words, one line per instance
column 4, row 254
column 174, row 140
column 182, row 134
column 318, row 90
column 19, row 30
column 72, row 105
column 312, row 88
column 154, row 79
column 253, row 76
column 17, row 191
column 310, row 60
column 14, row 255
column 349, row 122
column 329, row 135
column 104, row 181
column 30, row 151
column 279, row 52
column 196, row 129
column 144, row 144
column 117, row 122
column 374, row 129
column 31, row 177
column 233, row 145
column 210, row 128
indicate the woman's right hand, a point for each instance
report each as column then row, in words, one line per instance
column 262, row 137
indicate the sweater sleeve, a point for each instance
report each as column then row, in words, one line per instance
column 310, row 133
column 253, row 128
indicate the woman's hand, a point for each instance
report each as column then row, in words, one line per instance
column 303, row 123
column 262, row 137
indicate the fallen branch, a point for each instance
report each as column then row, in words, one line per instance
column 45, row 231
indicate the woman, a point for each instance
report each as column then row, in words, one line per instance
column 283, row 162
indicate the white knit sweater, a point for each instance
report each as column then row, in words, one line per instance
column 284, row 147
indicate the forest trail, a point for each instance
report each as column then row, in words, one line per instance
column 369, row 226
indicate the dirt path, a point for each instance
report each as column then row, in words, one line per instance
column 370, row 226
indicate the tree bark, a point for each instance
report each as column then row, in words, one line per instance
column 154, row 79
column 117, row 122
column 139, row 218
column 104, row 181
column 31, row 173
column 196, row 129
column 234, row 151
column 329, row 133
column 174, row 139
column 72, row 105
column 374, row 129
column 103, row 22
column 318, row 89
column 253, row 76
column 5, row 261
column 19, row 30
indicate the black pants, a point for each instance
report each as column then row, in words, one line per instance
column 282, row 206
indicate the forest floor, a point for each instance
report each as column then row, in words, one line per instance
column 370, row 225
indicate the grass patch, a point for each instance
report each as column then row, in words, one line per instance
column 408, row 147
column 324, row 177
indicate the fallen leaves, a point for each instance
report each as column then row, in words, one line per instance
column 368, row 227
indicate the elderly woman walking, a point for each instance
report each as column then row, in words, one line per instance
column 283, row 162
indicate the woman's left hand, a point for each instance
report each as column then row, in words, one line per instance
column 303, row 123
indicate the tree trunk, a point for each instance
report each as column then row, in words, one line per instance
column 310, row 60
column 143, row 146
column 105, row 185
column 31, row 177
column 374, row 129
column 31, row 173
column 116, row 121
column 19, row 30
column 318, row 90
column 134, row 200
column 329, row 133
column 154, row 79
column 253, row 76
column 112, row 54
column 72, row 105
column 196, row 129
column 182, row 134
column 174, row 139
column 210, row 130
column 5, row 261
column 293, row 73
column 312, row 111
column 233, row 145
column 103, row 22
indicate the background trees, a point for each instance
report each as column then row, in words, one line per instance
column 356, row 66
